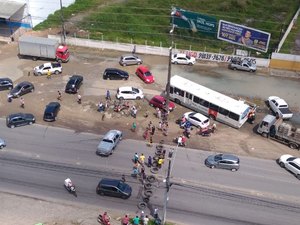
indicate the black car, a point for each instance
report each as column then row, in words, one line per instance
column 74, row 84
column 51, row 111
column 19, row 119
column 6, row 84
column 114, row 188
column 21, row 89
column 115, row 74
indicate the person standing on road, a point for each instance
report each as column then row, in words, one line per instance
column 142, row 159
column 79, row 98
column 125, row 220
column 149, row 161
column 108, row 95
column 59, row 96
column 48, row 74
column 136, row 220
column 22, row 103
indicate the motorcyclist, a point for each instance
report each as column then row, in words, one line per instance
column 69, row 185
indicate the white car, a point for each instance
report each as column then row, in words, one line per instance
column 54, row 68
column 2, row 143
column 197, row 119
column 279, row 107
column 129, row 93
column 291, row 163
column 183, row 59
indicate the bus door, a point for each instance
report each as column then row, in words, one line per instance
column 188, row 98
column 213, row 111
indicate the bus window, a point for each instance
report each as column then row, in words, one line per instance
column 234, row 116
column 204, row 103
column 171, row 90
column 188, row 95
column 196, row 100
column 214, row 107
column 223, row 111
column 179, row 92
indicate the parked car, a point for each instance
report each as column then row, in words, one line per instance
column 127, row 60
column 109, row 142
column 183, row 59
column 244, row 65
column 74, row 84
column 290, row 163
column 115, row 74
column 114, row 188
column 19, row 119
column 279, row 107
column 144, row 73
column 51, row 111
column 160, row 102
column 197, row 119
column 6, row 84
column 2, row 143
column 129, row 93
column 223, row 161
column 21, row 89
column 53, row 67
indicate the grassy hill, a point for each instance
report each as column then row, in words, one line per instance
column 141, row 21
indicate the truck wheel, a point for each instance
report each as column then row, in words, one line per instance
column 293, row 145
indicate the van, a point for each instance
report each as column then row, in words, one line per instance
column 114, row 188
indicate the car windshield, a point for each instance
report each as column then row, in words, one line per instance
column 148, row 74
column 41, row 66
column 192, row 114
column 107, row 140
column 121, row 186
column 135, row 90
column 218, row 157
column 291, row 159
column 188, row 57
column 205, row 121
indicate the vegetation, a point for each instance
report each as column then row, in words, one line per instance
column 138, row 21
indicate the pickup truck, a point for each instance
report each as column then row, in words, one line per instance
column 242, row 65
column 54, row 68
column 279, row 107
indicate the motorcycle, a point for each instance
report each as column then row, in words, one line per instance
column 70, row 187
column 101, row 221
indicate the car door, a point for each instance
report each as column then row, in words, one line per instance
column 182, row 60
column 45, row 70
column 26, row 89
column 223, row 164
column 293, row 167
column 195, row 121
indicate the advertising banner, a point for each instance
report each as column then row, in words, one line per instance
column 245, row 36
column 194, row 22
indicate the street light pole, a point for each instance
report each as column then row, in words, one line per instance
column 168, row 185
column 62, row 24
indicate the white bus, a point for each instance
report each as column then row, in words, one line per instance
column 211, row 103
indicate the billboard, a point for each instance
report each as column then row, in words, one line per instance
column 194, row 22
column 245, row 36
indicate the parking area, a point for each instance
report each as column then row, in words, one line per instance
column 91, row 63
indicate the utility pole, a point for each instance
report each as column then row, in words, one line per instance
column 63, row 31
column 168, row 185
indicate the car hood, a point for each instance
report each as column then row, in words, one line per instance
column 127, row 190
column 105, row 147
column 36, row 68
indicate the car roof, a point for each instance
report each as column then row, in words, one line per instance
column 180, row 55
column 297, row 161
column 127, row 88
column 130, row 56
column 200, row 116
column 229, row 157
column 24, row 83
column 47, row 64
column 108, row 181
column 76, row 77
column 143, row 68
column 160, row 98
column 115, row 69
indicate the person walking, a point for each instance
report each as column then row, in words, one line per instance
column 22, row 103
column 48, row 74
column 108, row 95
column 136, row 158
column 123, row 178
column 79, row 98
column 59, row 96
column 153, row 130
column 133, row 127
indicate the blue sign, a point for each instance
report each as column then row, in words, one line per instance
column 245, row 36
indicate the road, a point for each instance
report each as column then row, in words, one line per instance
column 38, row 159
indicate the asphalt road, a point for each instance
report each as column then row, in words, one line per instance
column 38, row 159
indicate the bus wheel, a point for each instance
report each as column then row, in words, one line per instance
column 212, row 117
column 177, row 101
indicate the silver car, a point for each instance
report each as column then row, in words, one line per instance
column 223, row 161
column 109, row 142
column 2, row 143
column 126, row 60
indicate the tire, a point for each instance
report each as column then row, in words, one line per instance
column 124, row 64
column 108, row 78
column 34, row 58
column 12, row 126
column 9, row 88
column 32, row 90
column 212, row 167
column 30, row 123
column 59, row 60
column 281, row 164
column 233, row 169
column 101, row 193
column 234, row 68
column 177, row 101
column 298, row 176
column 1, row 146
column 251, row 71
column 39, row 74
column 190, row 64
column 138, row 98
column 142, row 205
column 265, row 135
column 175, row 62
column 121, row 98
column 56, row 72
column 293, row 145
column 139, row 63
column 151, row 105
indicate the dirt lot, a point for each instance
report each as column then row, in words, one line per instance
column 84, row 118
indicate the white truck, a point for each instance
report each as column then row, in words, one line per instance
column 279, row 107
column 276, row 129
column 54, row 68
column 242, row 65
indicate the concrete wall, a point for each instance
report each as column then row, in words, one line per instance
column 285, row 61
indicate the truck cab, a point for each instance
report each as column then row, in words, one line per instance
column 62, row 53
column 265, row 125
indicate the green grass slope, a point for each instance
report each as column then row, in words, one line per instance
column 148, row 21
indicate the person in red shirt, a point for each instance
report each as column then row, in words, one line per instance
column 125, row 220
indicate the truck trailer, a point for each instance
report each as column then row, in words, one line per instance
column 276, row 129
column 40, row 47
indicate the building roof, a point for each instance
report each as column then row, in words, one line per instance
column 9, row 8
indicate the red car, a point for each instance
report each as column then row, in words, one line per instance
column 159, row 102
column 144, row 74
